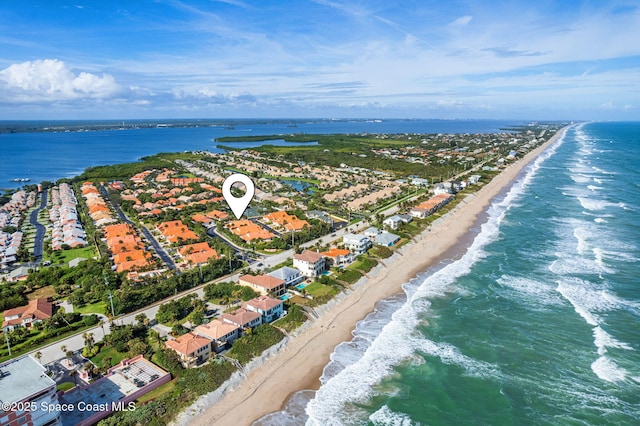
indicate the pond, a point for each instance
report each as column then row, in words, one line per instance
column 298, row 185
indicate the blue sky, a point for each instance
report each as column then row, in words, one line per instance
column 319, row 58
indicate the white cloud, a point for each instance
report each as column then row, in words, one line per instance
column 462, row 21
column 52, row 80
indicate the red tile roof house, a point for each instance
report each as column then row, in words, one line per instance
column 271, row 309
column 191, row 348
column 242, row 318
column 264, row 284
column 310, row 263
column 220, row 333
column 197, row 254
column 24, row 316
column 339, row 257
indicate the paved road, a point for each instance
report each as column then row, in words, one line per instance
column 149, row 237
column 213, row 233
column 40, row 229
column 54, row 351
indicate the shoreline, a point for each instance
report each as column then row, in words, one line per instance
column 300, row 363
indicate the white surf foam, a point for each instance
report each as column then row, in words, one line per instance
column 604, row 340
column 386, row 417
column 589, row 300
column 606, row 369
column 595, row 204
column 450, row 354
column 531, row 292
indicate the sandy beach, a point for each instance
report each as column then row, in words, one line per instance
column 299, row 365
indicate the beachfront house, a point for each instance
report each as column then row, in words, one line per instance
column 405, row 218
column 386, row 239
column 290, row 276
column 264, row 284
column 339, row 257
column 393, row 222
column 371, row 232
column 271, row 309
column 358, row 244
column 192, row 349
column 310, row 263
column 221, row 334
column 243, row 318
column 443, row 188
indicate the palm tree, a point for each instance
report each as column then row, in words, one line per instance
column 38, row 356
column 63, row 348
column 88, row 340
column 154, row 339
column 226, row 300
column 142, row 319
column 236, row 294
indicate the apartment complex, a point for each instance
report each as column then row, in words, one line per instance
column 26, row 394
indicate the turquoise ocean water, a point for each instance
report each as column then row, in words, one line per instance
column 537, row 323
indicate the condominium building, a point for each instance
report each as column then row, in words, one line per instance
column 27, row 395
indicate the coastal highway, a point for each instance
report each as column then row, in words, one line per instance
column 53, row 352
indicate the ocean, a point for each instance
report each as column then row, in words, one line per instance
column 42, row 156
column 536, row 323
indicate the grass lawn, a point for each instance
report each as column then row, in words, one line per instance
column 317, row 289
column 381, row 252
column 65, row 386
column 294, row 319
column 107, row 351
column 66, row 255
column 363, row 265
column 156, row 393
column 350, row 276
column 47, row 291
column 92, row 308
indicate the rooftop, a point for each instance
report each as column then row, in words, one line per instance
column 308, row 256
column 22, row 377
column 265, row 281
column 285, row 272
column 240, row 316
column 121, row 381
column 216, row 329
column 264, row 303
column 188, row 343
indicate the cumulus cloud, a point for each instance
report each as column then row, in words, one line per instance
column 53, row 80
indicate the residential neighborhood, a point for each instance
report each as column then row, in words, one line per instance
column 150, row 257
